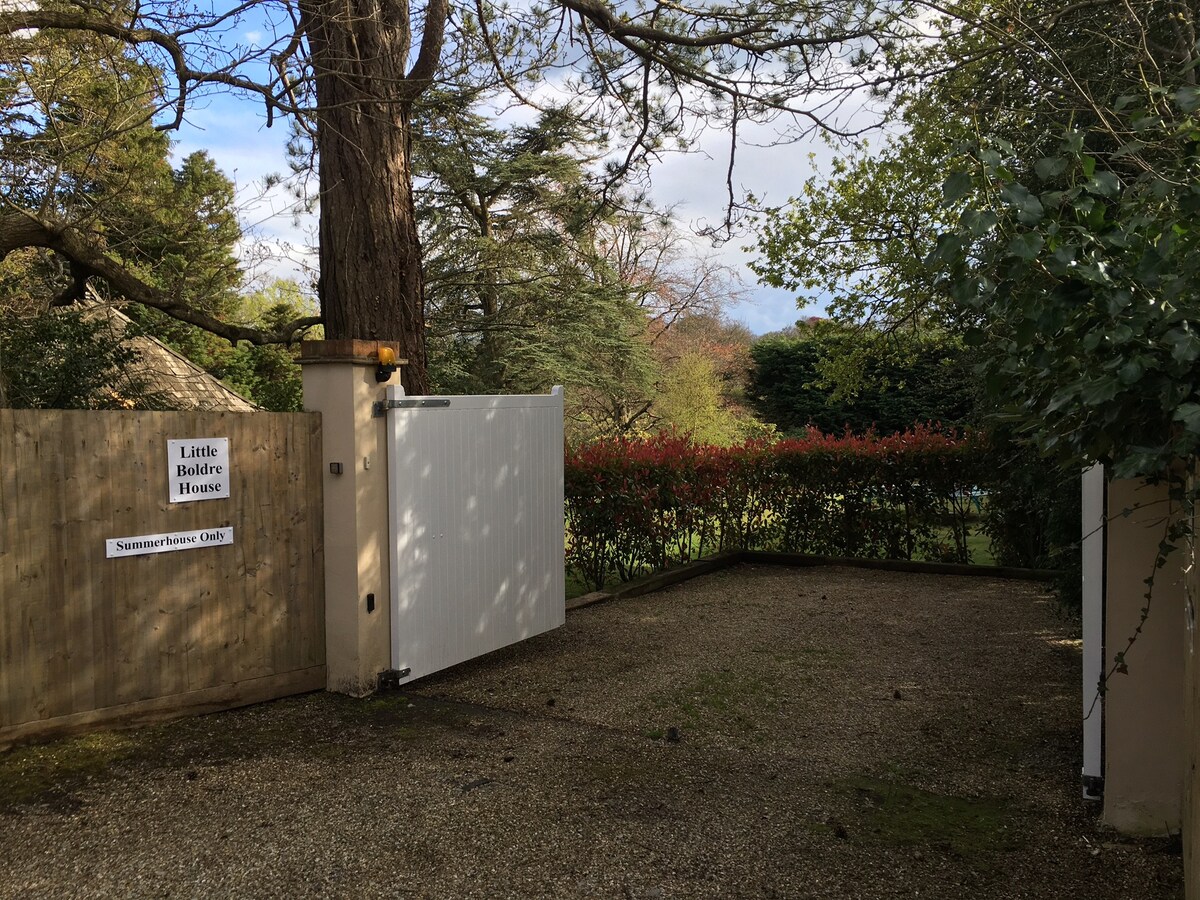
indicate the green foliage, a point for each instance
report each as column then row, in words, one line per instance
column 62, row 359
column 1085, row 282
column 704, row 361
column 689, row 402
column 1039, row 202
column 857, row 238
column 520, row 293
column 805, row 381
column 268, row 375
column 80, row 145
column 1032, row 515
column 637, row 506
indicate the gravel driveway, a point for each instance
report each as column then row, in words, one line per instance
column 759, row 732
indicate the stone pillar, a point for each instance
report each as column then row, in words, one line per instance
column 340, row 383
column 1145, row 751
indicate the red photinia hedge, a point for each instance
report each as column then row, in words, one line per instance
column 640, row 505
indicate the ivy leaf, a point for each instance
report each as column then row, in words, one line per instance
column 1104, row 184
column 1029, row 208
column 956, row 186
column 979, row 222
column 1099, row 392
column 1026, row 246
column 1131, row 372
column 1187, row 99
column 1189, row 415
column 1129, row 148
column 1050, row 166
column 975, row 337
column 1025, row 332
column 948, row 250
column 1185, row 347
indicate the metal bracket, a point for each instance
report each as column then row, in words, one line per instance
column 380, row 407
column 1093, row 787
column 389, row 679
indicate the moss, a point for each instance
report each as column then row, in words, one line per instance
column 49, row 773
column 899, row 815
column 718, row 701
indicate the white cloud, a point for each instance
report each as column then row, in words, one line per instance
column 280, row 237
column 693, row 184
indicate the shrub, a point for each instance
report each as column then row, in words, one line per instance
column 639, row 506
column 1033, row 516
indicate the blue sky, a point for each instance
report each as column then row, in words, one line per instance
column 234, row 133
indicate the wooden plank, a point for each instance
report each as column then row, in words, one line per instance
column 162, row 709
column 9, row 644
column 772, row 557
column 312, row 585
column 82, row 492
column 80, row 632
column 1191, row 730
column 56, row 618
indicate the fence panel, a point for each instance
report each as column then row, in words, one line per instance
column 476, row 503
column 85, row 638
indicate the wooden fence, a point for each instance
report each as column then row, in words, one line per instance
column 87, row 638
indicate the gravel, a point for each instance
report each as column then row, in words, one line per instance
column 759, row 732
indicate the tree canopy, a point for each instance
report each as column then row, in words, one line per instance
column 918, row 381
column 1041, row 202
column 349, row 76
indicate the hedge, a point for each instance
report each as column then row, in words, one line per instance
column 636, row 506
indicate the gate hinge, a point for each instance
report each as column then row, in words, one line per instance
column 380, row 407
column 389, row 679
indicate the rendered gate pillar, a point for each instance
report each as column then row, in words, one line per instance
column 340, row 383
column 1145, row 749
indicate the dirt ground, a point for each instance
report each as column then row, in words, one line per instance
column 760, row 732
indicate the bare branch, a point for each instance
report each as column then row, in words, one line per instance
column 88, row 259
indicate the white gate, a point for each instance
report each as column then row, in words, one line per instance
column 1095, row 516
column 476, row 504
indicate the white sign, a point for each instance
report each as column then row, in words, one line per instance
column 165, row 543
column 198, row 469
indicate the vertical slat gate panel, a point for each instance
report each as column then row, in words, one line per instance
column 476, row 497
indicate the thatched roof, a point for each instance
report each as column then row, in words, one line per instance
column 166, row 373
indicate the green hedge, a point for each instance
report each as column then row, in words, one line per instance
column 640, row 506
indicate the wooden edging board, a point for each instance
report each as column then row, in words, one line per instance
column 668, row 577
column 173, row 706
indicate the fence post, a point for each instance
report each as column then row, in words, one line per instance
column 340, row 383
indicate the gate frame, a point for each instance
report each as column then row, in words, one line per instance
column 387, row 411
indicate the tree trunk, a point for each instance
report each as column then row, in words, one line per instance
column 371, row 285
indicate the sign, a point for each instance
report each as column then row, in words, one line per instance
column 142, row 544
column 198, row 469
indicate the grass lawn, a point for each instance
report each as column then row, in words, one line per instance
column 977, row 542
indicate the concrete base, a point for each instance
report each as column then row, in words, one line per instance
column 340, row 383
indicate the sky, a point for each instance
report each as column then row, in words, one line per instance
column 693, row 184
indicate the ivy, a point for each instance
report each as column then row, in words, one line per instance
column 1083, row 277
